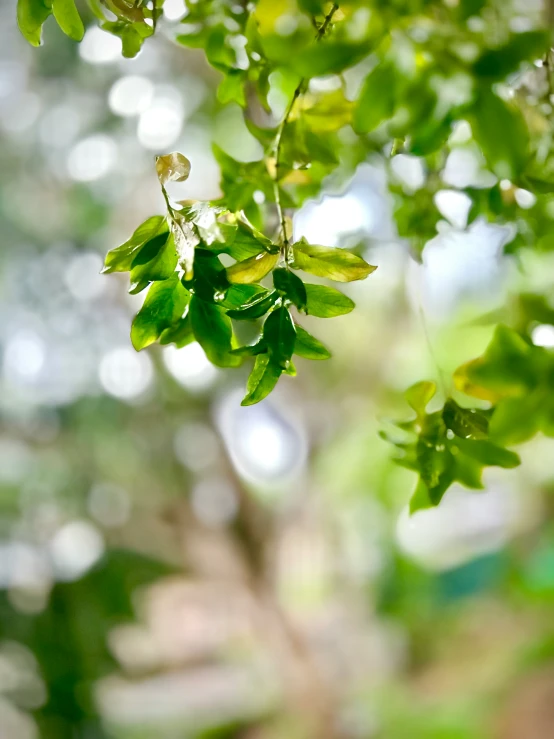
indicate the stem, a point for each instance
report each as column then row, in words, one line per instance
column 279, row 136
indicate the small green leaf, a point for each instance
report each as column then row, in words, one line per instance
column 231, row 88
column 121, row 258
column 327, row 302
column 419, row 396
column 31, row 15
column 262, row 379
column 252, row 269
column 308, row 346
column 251, row 350
column 377, row 98
column 501, row 132
column 255, row 309
column 163, row 306
column 290, row 286
column 497, row 64
column 174, row 167
column 487, row 453
column 325, row 261
column 239, row 295
column 420, row 499
column 467, row 423
column 279, row 335
column 212, row 330
column 68, row 18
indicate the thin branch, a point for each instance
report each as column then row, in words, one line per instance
column 279, row 136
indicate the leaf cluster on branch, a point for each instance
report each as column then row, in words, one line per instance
column 351, row 79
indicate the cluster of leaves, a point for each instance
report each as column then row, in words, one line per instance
column 132, row 21
column 364, row 78
column 454, row 443
column 192, row 296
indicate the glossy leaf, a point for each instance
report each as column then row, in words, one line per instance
column 254, row 309
column 262, row 379
column 31, row 15
column 155, row 260
column 212, row 330
column 121, row 258
column 164, row 305
column 68, row 18
column 279, row 336
column 290, row 286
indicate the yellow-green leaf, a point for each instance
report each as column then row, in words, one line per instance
column 252, row 269
column 335, row 264
column 31, row 15
column 68, row 18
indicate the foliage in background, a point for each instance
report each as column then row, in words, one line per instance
column 425, row 68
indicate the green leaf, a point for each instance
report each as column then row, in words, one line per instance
column 163, row 306
column 180, row 333
column 467, row 423
column 251, row 350
column 121, row 258
column 156, row 260
column 420, row 499
column 212, row 330
column 209, row 281
column 255, row 309
column 487, row 453
column 252, row 269
column 239, row 295
column 420, row 395
column 501, row 132
column 497, row 64
column 262, row 380
column 325, row 261
column 174, row 167
column 328, row 57
column 68, row 18
column 31, row 15
column 377, row 98
column 308, row 346
column 290, row 286
column 279, row 335
column 327, row 302
column 231, row 88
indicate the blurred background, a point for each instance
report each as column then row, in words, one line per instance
column 173, row 565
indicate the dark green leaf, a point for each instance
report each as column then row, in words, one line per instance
column 212, row 330
column 291, row 286
column 156, row 260
column 255, row 309
column 279, row 335
column 497, row 64
column 327, row 302
column 262, row 380
column 467, row 423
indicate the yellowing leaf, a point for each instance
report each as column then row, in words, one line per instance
column 174, row 167
column 335, row 264
column 252, row 269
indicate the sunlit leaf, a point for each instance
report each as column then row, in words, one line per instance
column 262, row 379
column 31, row 15
column 252, row 269
column 163, row 306
column 327, row 302
column 308, row 346
column 420, row 395
column 325, row 261
column 68, row 18
column 174, row 167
